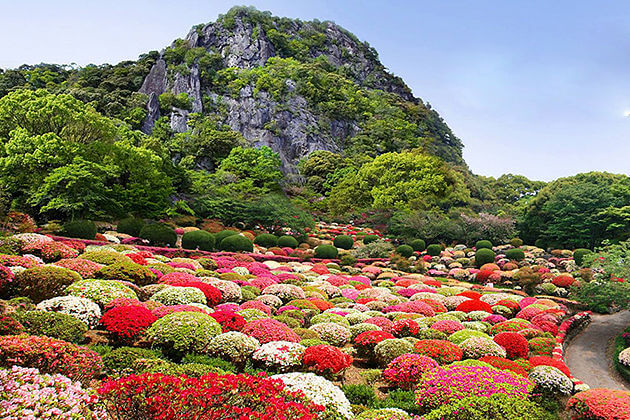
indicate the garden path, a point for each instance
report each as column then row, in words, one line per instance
column 589, row 354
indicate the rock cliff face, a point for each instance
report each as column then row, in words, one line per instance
column 290, row 124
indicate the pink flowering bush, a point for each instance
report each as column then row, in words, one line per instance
column 600, row 404
column 27, row 394
column 405, row 371
column 446, row 384
column 267, row 330
column 85, row 268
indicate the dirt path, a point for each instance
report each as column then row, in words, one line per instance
column 589, row 354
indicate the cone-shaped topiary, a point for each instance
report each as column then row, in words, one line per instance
column 344, row 242
column 159, row 234
column 266, row 240
column 198, row 239
column 328, row 252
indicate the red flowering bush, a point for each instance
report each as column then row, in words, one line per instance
column 256, row 304
column 542, row 346
column 505, row 364
column 528, row 313
column 266, row 330
column 230, row 321
column 434, row 304
column 405, row 371
column 548, row 361
column 51, row 251
column 177, row 276
column 208, row 397
column 563, row 280
column 326, row 359
column 85, row 268
column 470, row 294
column 126, row 323
column 474, row 305
column 212, row 294
column 50, row 355
column 511, row 325
column 366, row 341
column 9, row 326
column 380, row 321
column 6, row 276
column 441, row 351
column 515, row 345
column 483, row 276
column 17, row 261
column 415, row 306
column 600, row 404
column 405, row 328
column 508, row 303
column 137, row 258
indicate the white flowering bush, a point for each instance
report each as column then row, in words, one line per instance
column 230, row 291
column 355, row 330
column 286, row 292
column 81, row 308
column 26, row 394
column 389, row 349
column 476, row 315
column 101, row 292
column 478, row 347
column 179, row 296
column 233, row 346
column 624, row 357
column 551, row 380
column 179, row 333
column 252, row 314
column 270, row 300
column 319, row 390
column 330, row 332
column 280, row 355
column 329, row 317
column 357, row 318
column 452, row 302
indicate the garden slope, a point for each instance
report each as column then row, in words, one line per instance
column 587, row 355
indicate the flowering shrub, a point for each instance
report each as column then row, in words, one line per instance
column 126, row 323
column 330, row 332
column 211, row 396
column 405, row 328
column 326, row 359
column 279, row 355
column 83, row 309
column 52, row 324
column 388, row 350
column 183, row 332
column 512, row 325
column 447, row 384
column 542, row 346
column 267, row 330
column 100, row 291
column 389, row 413
column 505, row 364
column 50, row 355
column 9, row 326
column 162, row 311
column 441, row 351
column 320, row 391
column 405, row 370
column 230, row 321
column 286, row 292
column 179, row 296
column 548, row 361
column 447, row 326
column 51, row 251
column 27, row 394
column 43, row 282
column 515, row 344
column 212, row 294
column 474, row 305
column 550, row 380
column 563, row 281
column 495, row 407
column 600, row 404
column 477, row 347
column 624, row 357
column 233, row 346
column 366, row 341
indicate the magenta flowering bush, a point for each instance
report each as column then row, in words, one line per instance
column 449, row 383
column 405, row 371
column 26, row 394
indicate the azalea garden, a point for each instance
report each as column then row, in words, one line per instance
column 160, row 321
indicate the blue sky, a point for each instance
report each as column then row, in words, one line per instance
column 538, row 88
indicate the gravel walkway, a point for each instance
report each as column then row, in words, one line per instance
column 589, row 354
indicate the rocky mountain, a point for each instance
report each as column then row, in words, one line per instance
column 293, row 86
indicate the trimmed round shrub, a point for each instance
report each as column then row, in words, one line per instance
column 83, row 229
column 405, row 370
column 516, row 242
column 198, row 239
column 368, row 239
column 287, row 241
column 122, row 360
column 434, row 250
column 551, row 381
column 43, row 282
column 600, row 404
column 515, row 254
column 233, row 346
column 478, row 347
column 418, row 245
column 52, row 324
column 179, row 296
column 495, row 407
column 127, row 322
column 515, row 345
column 579, row 254
column 236, row 243
column 105, row 257
column 405, row 250
column 100, row 291
column 220, row 236
column 326, row 359
column 389, row 349
column 267, row 330
column 483, row 244
column 183, row 332
column 441, row 351
column 484, row 256
column 130, row 226
column 159, row 234
column 266, row 240
column 127, row 271
column 344, row 242
column 327, row 252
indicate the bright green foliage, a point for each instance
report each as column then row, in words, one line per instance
column 249, row 172
column 434, row 250
column 515, row 254
column 483, row 244
column 266, row 240
column 418, row 245
column 198, row 239
column 497, row 407
column 344, row 242
column 367, row 239
column 328, row 252
column 579, row 211
column 318, row 167
column 516, row 242
column 122, row 359
column 43, row 282
column 579, row 254
column 220, row 236
column 484, row 256
column 405, row 250
column 183, row 332
column 84, row 229
column 287, row 241
column 130, row 226
column 236, row 243
column 360, row 394
column 159, row 234
column 127, row 271
column 52, row 324
column 603, row 296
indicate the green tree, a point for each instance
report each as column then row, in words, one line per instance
column 249, row 171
